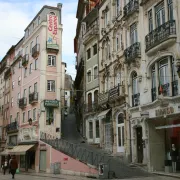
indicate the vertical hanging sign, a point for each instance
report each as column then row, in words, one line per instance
column 52, row 32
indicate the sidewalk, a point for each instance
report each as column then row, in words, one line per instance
column 175, row 175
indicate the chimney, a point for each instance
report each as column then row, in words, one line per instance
column 59, row 5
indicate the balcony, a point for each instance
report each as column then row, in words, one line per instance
column 175, row 88
column 153, row 94
column 12, row 127
column 25, row 60
column 143, row 2
column 3, row 66
column 116, row 93
column 164, row 89
column 22, row 102
column 130, row 8
column 91, row 31
column 103, row 98
column 161, row 37
column 52, row 48
column 7, row 73
column 18, row 56
column 93, row 107
column 35, row 50
column 136, row 100
column 132, row 52
column 33, row 98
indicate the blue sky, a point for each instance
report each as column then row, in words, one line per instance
column 15, row 15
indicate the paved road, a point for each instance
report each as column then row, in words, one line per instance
column 65, row 177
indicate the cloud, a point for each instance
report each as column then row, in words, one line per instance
column 15, row 15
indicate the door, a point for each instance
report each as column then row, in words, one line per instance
column 108, row 137
column 139, row 145
column 42, row 161
column 97, row 139
column 89, row 102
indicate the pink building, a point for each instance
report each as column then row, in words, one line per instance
column 35, row 79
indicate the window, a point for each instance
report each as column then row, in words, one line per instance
column 34, row 114
column 37, row 40
column 12, row 102
column 95, row 72
column 39, row 20
column 65, row 93
column 18, row 97
column 31, row 46
column 17, row 117
column 36, row 64
column 13, row 83
column 35, row 87
column 133, row 33
column 51, row 60
column 30, row 68
column 25, row 72
column 19, row 80
column 134, row 83
column 120, row 129
column 117, row 43
column 49, row 116
column 29, row 89
column 90, row 130
column 105, row 18
column 89, row 53
column 117, row 78
column 24, row 95
column 89, row 76
column 97, row 129
column 22, row 161
column 160, row 14
column 10, row 118
column 106, row 83
column 24, row 117
column 51, row 85
column 95, row 49
column 29, row 114
column 13, row 140
column 150, row 20
column 117, row 7
column 170, row 10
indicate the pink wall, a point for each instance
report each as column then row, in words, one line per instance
column 68, row 163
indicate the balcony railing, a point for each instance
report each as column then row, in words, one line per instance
column 164, row 89
column 12, row 127
column 175, row 88
column 22, row 102
column 19, row 55
column 131, row 7
column 135, row 99
column 7, row 73
column 25, row 60
column 132, row 52
column 103, row 98
column 35, row 50
column 116, row 92
column 91, row 107
column 3, row 66
column 33, row 97
column 153, row 94
column 160, row 34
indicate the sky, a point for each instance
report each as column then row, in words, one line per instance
column 15, row 15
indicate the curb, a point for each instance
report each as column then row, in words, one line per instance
column 41, row 175
column 167, row 175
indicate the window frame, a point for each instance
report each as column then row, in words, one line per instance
column 88, row 52
column 95, row 50
column 95, row 75
column 34, row 114
column 89, row 74
column 24, row 117
column 30, row 68
column 50, row 84
column 52, row 60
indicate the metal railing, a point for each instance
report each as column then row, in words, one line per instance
column 12, row 127
column 92, row 107
column 160, row 34
column 132, row 52
column 35, row 50
column 175, row 88
column 153, row 94
column 135, row 99
column 33, row 97
column 131, row 7
column 22, row 102
column 25, row 60
column 103, row 98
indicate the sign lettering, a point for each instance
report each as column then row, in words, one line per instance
column 164, row 111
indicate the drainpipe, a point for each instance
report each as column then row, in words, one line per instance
column 59, row 5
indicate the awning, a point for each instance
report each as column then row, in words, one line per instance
column 5, row 152
column 168, row 126
column 103, row 114
column 20, row 149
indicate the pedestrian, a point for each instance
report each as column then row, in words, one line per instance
column 5, row 165
column 10, row 165
column 14, row 166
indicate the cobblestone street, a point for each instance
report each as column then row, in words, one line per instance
column 67, row 177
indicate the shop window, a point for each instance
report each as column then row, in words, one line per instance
column 22, row 161
column 13, row 140
column 49, row 116
column 31, row 159
column 90, row 130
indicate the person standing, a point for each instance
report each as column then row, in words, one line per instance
column 9, row 165
column 5, row 165
column 174, row 157
column 14, row 166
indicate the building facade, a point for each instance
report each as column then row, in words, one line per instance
column 32, row 92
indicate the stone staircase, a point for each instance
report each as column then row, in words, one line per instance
column 92, row 156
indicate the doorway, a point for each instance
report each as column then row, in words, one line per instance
column 139, row 144
column 42, row 166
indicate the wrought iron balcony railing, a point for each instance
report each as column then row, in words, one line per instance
column 91, row 107
column 33, row 97
column 12, row 127
column 153, row 94
column 132, row 52
column 25, row 60
column 175, row 88
column 7, row 73
column 135, row 99
column 35, row 50
column 160, row 34
column 19, row 55
column 116, row 92
column 23, row 102
column 131, row 7
column 164, row 89
column 103, row 98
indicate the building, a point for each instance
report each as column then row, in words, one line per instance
column 32, row 92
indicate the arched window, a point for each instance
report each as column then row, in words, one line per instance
column 120, row 133
column 96, row 97
column 52, row 13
